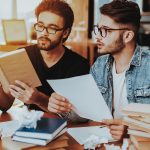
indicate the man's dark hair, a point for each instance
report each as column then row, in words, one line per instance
column 123, row 12
column 59, row 7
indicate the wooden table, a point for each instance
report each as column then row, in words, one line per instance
column 73, row 145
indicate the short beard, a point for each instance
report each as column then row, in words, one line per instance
column 119, row 44
column 49, row 45
column 113, row 48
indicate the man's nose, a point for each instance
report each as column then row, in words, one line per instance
column 99, row 37
column 44, row 32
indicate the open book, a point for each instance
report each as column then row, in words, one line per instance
column 16, row 65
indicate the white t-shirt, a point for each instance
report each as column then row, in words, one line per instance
column 119, row 92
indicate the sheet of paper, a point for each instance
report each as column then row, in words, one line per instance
column 81, row 134
column 84, row 94
column 8, row 128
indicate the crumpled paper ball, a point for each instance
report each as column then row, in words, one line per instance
column 29, row 118
column 93, row 141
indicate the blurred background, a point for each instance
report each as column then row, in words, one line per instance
column 17, row 19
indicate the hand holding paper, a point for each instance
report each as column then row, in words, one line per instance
column 85, row 96
column 58, row 104
column 117, row 129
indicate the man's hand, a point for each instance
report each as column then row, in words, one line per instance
column 117, row 129
column 58, row 104
column 24, row 92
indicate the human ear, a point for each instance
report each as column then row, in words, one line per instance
column 66, row 33
column 128, row 36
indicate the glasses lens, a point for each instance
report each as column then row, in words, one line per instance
column 103, row 32
column 96, row 30
column 39, row 27
column 51, row 30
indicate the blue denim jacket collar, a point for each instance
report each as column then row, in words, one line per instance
column 109, row 61
column 136, row 61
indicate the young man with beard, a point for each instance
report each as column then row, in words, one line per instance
column 50, row 58
column 122, row 72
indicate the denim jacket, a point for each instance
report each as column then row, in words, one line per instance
column 137, row 77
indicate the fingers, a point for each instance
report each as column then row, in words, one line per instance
column 56, row 109
column 117, row 131
column 14, row 93
column 116, row 128
column 17, row 95
column 112, row 121
column 57, row 96
column 58, row 104
column 22, row 85
column 23, row 92
column 16, row 88
column 117, row 134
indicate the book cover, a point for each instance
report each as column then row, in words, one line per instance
column 16, row 65
column 47, row 128
column 37, row 141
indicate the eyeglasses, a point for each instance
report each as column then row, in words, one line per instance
column 40, row 27
column 103, row 30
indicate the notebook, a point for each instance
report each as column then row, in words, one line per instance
column 37, row 141
column 47, row 128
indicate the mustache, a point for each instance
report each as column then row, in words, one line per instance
column 44, row 38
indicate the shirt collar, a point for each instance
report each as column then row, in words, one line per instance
column 136, row 60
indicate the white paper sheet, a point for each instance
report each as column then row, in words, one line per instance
column 81, row 134
column 8, row 128
column 84, row 94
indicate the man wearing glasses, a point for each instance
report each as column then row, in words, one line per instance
column 50, row 58
column 122, row 72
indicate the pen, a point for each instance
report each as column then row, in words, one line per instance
column 103, row 126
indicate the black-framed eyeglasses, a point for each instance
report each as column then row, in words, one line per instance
column 102, row 31
column 40, row 27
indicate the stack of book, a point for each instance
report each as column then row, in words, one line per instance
column 47, row 130
column 137, row 118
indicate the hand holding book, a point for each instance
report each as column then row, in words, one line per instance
column 24, row 92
